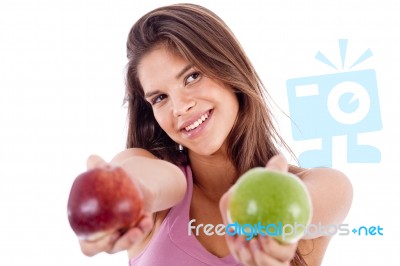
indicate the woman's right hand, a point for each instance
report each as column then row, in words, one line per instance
column 116, row 241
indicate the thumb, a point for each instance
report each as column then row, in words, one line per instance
column 278, row 163
column 95, row 161
column 223, row 205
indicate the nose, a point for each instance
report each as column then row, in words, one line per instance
column 182, row 104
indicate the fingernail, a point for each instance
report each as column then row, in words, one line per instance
column 114, row 237
column 243, row 242
column 254, row 245
column 264, row 239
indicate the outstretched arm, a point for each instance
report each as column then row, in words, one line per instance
column 161, row 181
column 331, row 195
column 162, row 184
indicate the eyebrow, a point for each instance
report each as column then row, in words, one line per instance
column 151, row 93
column 183, row 71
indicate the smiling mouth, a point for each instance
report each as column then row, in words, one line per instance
column 197, row 123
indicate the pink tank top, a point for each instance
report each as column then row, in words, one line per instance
column 173, row 246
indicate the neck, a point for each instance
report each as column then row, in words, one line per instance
column 213, row 175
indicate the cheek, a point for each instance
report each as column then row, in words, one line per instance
column 163, row 120
column 230, row 102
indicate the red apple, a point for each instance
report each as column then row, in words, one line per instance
column 102, row 201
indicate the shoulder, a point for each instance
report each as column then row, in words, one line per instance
column 331, row 193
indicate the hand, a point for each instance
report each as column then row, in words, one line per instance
column 262, row 250
column 116, row 241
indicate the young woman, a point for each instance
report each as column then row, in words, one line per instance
column 190, row 85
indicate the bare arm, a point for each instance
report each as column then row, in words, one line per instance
column 331, row 194
column 161, row 181
column 163, row 185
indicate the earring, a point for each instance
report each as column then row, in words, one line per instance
column 182, row 157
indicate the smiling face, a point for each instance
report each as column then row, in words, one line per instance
column 194, row 110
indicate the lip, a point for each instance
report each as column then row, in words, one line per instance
column 194, row 119
column 197, row 130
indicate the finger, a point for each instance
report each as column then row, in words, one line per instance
column 242, row 251
column 95, row 161
column 146, row 223
column 260, row 257
column 128, row 239
column 230, row 240
column 245, row 256
column 133, row 235
column 223, row 206
column 91, row 248
column 282, row 252
column 278, row 163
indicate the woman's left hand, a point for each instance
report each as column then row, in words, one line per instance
column 261, row 250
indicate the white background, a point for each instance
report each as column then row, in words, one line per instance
column 62, row 85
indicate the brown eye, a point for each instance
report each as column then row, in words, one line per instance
column 192, row 77
column 158, row 98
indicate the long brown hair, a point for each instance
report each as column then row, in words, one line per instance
column 203, row 39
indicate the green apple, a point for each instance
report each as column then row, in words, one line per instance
column 277, row 203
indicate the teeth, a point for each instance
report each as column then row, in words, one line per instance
column 197, row 122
